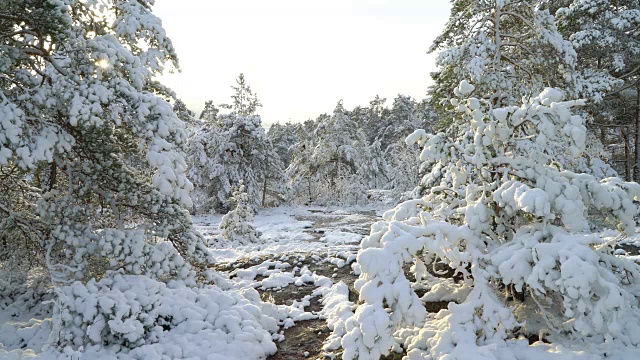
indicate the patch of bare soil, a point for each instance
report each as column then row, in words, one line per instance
column 306, row 336
column 291, row 293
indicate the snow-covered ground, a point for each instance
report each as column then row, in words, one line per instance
column 291, row 229
column 304, row 264
column 298, row 264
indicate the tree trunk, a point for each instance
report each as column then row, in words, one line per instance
column 264, row 191
column 627, row 153
column 636, row 166
column 53, row 172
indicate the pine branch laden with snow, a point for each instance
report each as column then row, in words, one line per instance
column 502, row 213
column 236, row 225
column 606, row 37
column 507, row 48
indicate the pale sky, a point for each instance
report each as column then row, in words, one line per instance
column 302, row 56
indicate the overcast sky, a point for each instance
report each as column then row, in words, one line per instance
column 302, row 56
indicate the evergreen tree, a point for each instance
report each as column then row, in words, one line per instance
column 78, row 106
column 245, row 101
column 78, row 103
column 230, row 148
column 607, row 40
column 509, row 49
column 236, row 224
column 210, row 112
column 500, row 213
column 283, row 138
column 331, row 164
column 182, row 112
column 274, row 179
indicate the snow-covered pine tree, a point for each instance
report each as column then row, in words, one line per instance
column 274, row 178
column 373, row 168
column 606, row 37
column 245, row 101
column 183, row 113
column 402, row 159
column 78, row 100
column 209, row 167
column 401, row 120
column 236, row 226
column 302, row 173
column 325, row 166
column 284, row 137
column 229, row 148
column 508, row 48
column 502, row 214
column 210, row 112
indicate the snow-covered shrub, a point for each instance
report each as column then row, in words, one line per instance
column 502, row 213
column 236, row 225
column 22, row 291
column 138, row 317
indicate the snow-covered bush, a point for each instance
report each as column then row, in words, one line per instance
column 502, row 213
column 138, row 317
column 236, row 225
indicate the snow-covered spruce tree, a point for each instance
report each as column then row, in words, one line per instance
column 508, row 48
column 503, row 214
column 77, row 102
column 236, row 226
